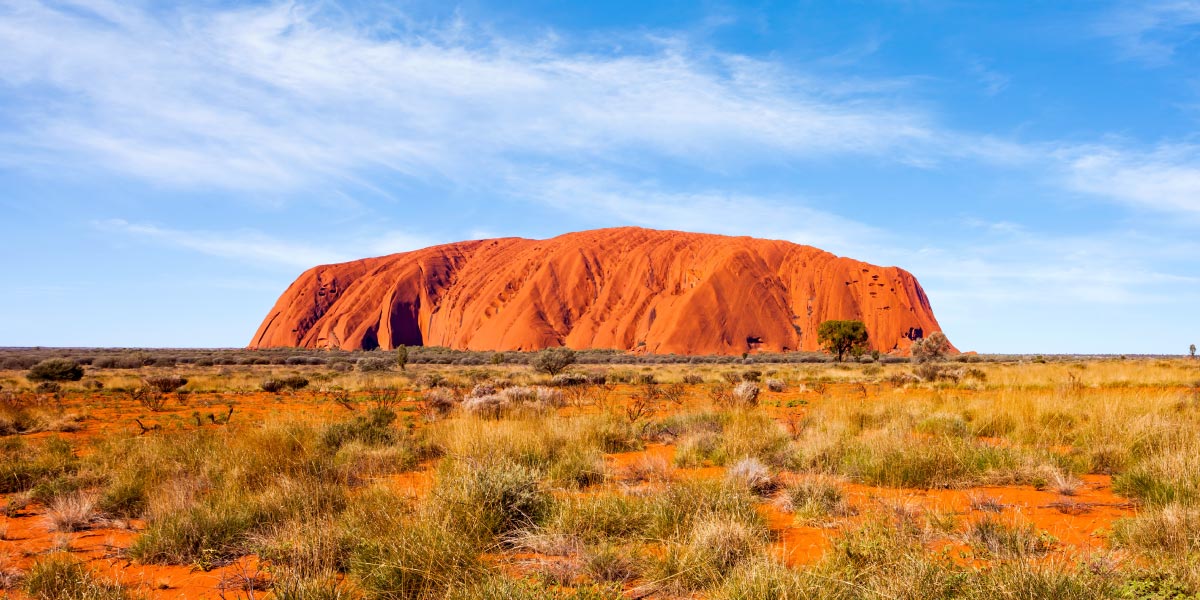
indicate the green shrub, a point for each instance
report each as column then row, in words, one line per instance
column 1158, row 586
column 55, row 369
column 373, row 365
column 278, row 384
column 552, row 361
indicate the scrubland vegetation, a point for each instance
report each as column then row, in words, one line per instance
column 1049, row 478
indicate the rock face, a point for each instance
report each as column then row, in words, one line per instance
column 626, row 288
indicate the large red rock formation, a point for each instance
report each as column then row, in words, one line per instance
column 626, row 289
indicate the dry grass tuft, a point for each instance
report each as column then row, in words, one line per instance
column 72, row 512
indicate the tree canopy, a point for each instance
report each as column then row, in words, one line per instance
column 553, row 361
column 931, row 349
column 841, row 337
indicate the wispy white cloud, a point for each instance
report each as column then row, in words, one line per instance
column 994, row 82
column 1165, row 179
column 1152, row 31
column 250, row 246
column 285, row 95
column 246, row 246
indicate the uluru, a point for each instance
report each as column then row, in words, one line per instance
column 625, row 288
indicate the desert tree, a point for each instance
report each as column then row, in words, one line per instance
column 402, row 356
column 841, row 337
column 553, row 361
column 931, row 349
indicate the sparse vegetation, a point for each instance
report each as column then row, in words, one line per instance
column 383, row 484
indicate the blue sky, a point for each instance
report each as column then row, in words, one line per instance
column 166, row 170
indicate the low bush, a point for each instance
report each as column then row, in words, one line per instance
column 166, row 383
column 569, row 379
column 442, row 401
column 375, row 365
column 279, row 384
column 745, row 394
column 552, row 361
column 55, row 369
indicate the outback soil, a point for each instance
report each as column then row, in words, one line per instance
column 1078, row 522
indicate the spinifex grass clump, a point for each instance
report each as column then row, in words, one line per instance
column 60, row 577
column 1171, row 531
column 489, row 499
column 374, row 428
column 713, row 547
column 44, row 465
column 937, row 462
column 567, row 450
column 994, row 537
column 816, row 498
column 208, row 492
column 736, row 436
column 752, row 474
column 419, row 560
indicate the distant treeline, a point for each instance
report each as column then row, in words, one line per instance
column 119, row 358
